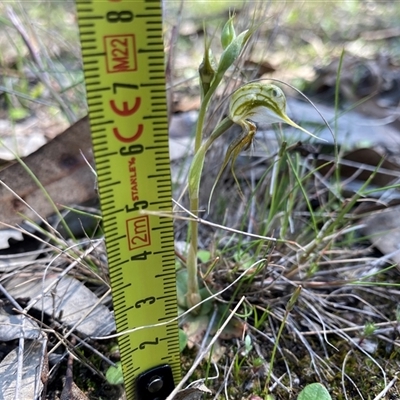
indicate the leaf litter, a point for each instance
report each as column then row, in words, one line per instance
column 67, row 299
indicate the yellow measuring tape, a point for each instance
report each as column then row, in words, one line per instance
column 123, row 55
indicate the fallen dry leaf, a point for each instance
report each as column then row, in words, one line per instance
column 61, row 168
column 382, row 229
column 17, row 326
column 74, row 394
column 195, row 327
column 361, row 164
column 195, row 392
column 68, row 300
column 14, row 262
column 34, row 362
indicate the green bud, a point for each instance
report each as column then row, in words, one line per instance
column 207, row 70
column 232, row 52
column 228, row 33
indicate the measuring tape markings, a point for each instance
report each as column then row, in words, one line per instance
column 123, row 55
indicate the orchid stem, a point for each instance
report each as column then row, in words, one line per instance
column 193, row 295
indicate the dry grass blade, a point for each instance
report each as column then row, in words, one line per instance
column 180, row 385
column 37, row 59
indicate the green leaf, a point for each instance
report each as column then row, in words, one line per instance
column 37, row 91
column 197, row 164
column 204, row 255
column 245, row 260
column 114, row 374
column 195, row 171
column 206, row 307
column 315, row 391
column 248, row 346
column 181, row 287
column 18, row 113
column 182, row 340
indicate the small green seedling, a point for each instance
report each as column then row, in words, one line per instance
column 315, row 391
column 114, row 375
